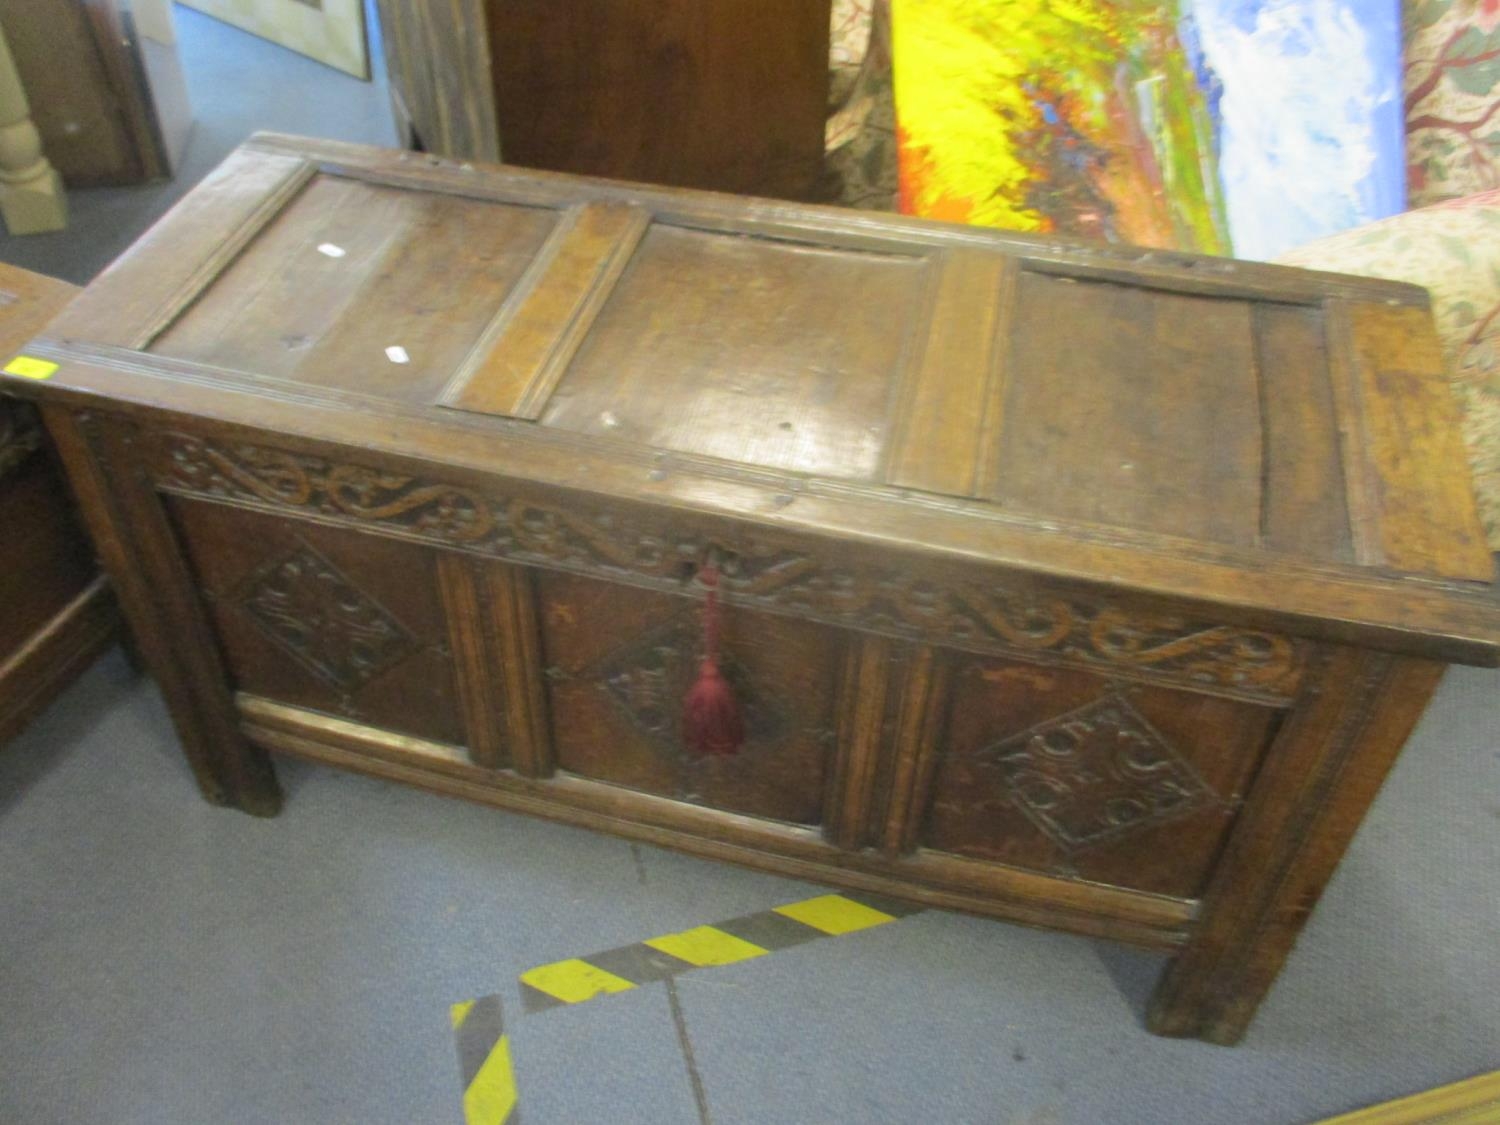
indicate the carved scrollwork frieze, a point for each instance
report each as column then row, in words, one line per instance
column 989, row 617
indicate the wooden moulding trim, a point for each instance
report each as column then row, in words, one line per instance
column 1150, row 921
column 55, row 654
column 923, row 709
column 1364, row 504
column 492, row 630
column 510, row 618
column 223, row 255
column 1178, row 271
column 524, row 351
column 476, row 673
column 860, row 730
column 956, row 372
column 1184, row 274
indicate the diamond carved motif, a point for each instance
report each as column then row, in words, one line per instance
column 1095, row 774
column 335, row 630
column 649, row 678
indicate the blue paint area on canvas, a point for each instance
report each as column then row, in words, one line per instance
column 1386, row 190
column 1208, row 81
column 1306, row 101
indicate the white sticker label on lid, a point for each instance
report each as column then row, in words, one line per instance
column 397, row 354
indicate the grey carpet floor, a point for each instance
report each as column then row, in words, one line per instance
column 163, row 961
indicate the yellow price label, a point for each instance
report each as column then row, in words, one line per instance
column 29, row 368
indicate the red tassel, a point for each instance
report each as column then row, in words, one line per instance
column 711, row 720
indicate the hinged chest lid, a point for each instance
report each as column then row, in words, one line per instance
column 1277, row 443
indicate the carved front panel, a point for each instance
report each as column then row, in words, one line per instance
column 1094, row 774
column 1075, row 774
column 619, row 663
column 647, row 676
column 656, row 549
column 332, row 620
column 322, row 619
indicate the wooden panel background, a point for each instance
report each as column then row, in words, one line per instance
column 437, row 59
column 730, row 95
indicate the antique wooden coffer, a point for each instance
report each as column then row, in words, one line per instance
column 1084, row 586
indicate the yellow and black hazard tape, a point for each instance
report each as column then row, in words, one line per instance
column 484, row 1062
column 484, row 1048
column 577, row 979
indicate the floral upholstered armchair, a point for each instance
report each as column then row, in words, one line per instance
column 1448, row 242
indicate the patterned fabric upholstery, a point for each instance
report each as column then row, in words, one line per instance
column 1453, row 249
column 1452, row 54
column 861, row 134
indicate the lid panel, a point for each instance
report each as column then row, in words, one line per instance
column 1305, row 511
column 763, row 351
column 1289, row 441
column 1413, row 501
column 348, row 270
column 1131, row 407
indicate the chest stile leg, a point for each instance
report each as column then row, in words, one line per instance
column 1320, row 776
column 144, row 560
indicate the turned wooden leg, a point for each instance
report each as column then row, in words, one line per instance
column 31, row 192
column 136, row 544
column 1319, row 777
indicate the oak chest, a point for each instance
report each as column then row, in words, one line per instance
column 1083, row 586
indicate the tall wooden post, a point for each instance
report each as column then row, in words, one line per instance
column 31, row 192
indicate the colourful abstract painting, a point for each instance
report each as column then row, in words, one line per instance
column 1240, row 127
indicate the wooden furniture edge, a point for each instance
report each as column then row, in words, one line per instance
column 56, row 655
column 139, row 552
column 1318, row 778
